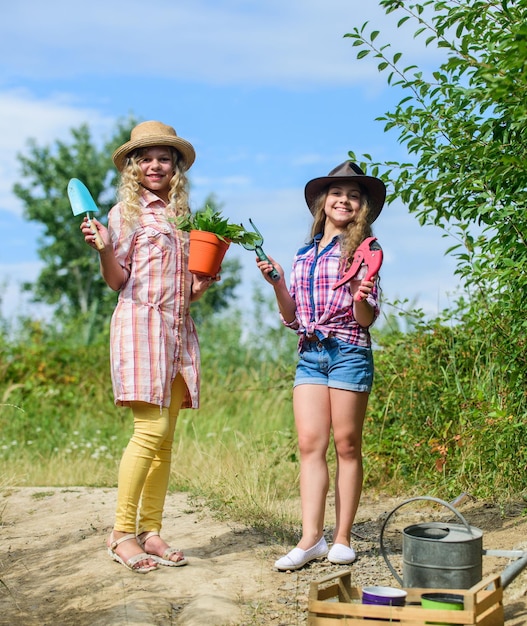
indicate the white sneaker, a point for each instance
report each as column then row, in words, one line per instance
column 341, row 554
column 297, row 558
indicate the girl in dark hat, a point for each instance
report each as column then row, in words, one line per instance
column 334, row 374
column 155, row 362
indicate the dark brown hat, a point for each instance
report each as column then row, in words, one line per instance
column 347, row 172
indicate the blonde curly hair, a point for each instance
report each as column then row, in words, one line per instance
column 129, row 189
column 356, row 231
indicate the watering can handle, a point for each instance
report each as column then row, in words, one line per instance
column 429, row 498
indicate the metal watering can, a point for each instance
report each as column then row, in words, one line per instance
column 446, row 556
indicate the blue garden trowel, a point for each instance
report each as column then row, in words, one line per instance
column 82, row 202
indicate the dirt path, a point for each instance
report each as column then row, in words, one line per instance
column 55, row 571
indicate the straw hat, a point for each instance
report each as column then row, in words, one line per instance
column 347, row 172
column 149, row 134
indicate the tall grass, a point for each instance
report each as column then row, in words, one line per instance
column 440, row 420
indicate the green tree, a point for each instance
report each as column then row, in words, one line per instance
column 464, row 127
column 70, row 279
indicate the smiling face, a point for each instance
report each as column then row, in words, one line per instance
column 343, row 202
column 157, row 169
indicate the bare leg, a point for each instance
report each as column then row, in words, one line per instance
column 348, row 409
column 311, row 404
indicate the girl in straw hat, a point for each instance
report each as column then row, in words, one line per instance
column 334, row 374
column 154, row 348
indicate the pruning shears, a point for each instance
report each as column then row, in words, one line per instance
column 257, row 247
column 368, row 253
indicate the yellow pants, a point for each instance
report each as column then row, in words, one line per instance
column 144, row 471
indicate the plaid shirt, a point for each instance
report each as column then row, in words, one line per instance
column 152, row 336
column 321, row 310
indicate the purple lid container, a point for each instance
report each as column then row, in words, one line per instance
column 389, row 596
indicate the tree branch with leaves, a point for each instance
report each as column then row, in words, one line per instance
column 464, row 126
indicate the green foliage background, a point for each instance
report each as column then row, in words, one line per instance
column 442, row 419
column 464, row 127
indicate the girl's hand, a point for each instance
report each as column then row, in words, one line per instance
column 89, row 237
column 200, row 284
column 364, row 290
column 266, row 267
column 362, row 310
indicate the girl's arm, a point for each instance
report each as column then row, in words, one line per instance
column 363, row 312
column 286, row 304
column 112, row 273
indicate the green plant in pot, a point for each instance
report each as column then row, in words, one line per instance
column 210, row 230
column 213, row 221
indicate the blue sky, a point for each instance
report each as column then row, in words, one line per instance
column 269, row 93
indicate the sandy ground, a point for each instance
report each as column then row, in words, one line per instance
column 54, row 569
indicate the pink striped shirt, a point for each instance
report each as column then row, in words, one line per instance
column 152, row 336
column 320, row 309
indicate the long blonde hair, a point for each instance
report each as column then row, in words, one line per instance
column 130, row 189
column 356, row 231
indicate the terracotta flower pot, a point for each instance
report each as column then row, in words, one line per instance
column 206, row 252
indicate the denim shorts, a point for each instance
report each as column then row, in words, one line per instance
column 335, row 363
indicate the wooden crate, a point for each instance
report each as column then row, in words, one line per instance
column 334, row 599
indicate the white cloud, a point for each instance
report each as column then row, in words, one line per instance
column 293, row 44
column 24, row 116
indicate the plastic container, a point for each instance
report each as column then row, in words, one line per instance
column 442, row 602
column 389, row 596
